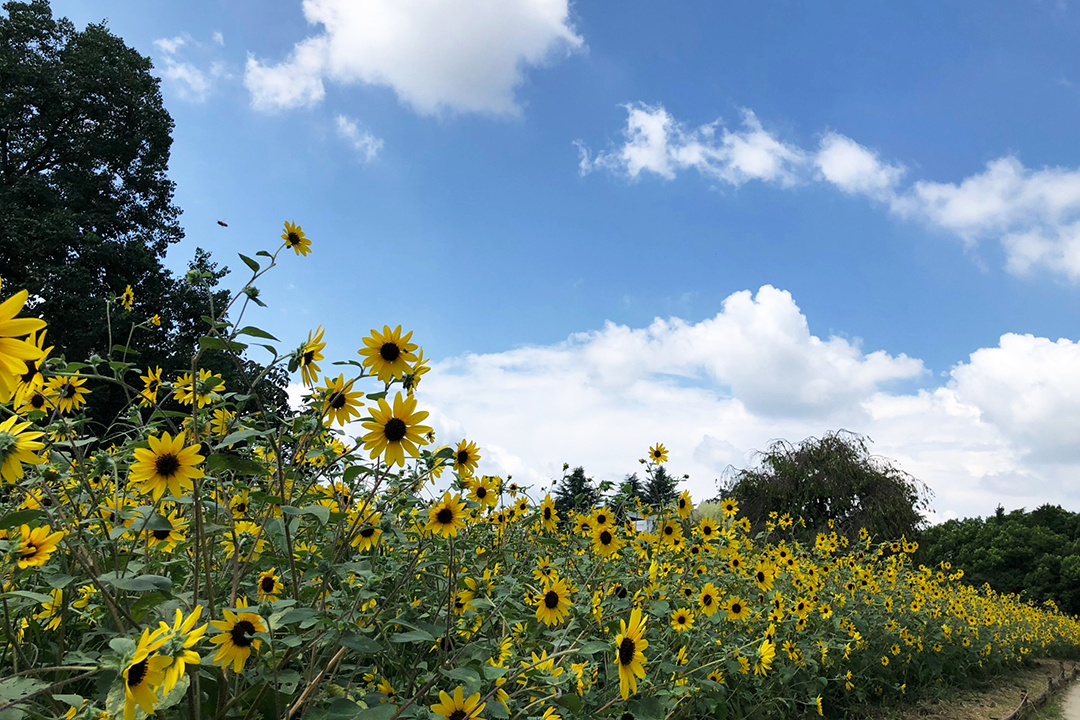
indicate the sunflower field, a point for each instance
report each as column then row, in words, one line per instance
column 206, row 557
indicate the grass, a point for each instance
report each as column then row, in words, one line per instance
column 990, row 698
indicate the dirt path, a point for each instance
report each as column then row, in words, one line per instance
column 1070, row 704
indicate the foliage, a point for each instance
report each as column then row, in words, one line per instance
column 575, row 492
column 660, row 487
column 376, row 577
column 834, row 478
column 1033, row 554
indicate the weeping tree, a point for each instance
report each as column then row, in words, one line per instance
column 832, row 477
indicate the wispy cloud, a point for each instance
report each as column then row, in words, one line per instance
column 366, row 144
column 190, row 81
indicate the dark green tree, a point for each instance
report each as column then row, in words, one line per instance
column 660, row 488
column 834, row 477
column 575, row 492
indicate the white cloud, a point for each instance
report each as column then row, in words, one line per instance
column 218, row 38
column 717, row 390
column 466, row 57
column 366, row 144
column 1033, row 214
column 189, row 81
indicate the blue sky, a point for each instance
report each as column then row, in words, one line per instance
column 500, row 176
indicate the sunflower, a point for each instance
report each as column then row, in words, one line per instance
column 151, row 385
column 483, row 492
column 682, row 619
column 127, row 298
column 684, row 505
column 549, row 517
column 340, row 403
column 37, row 545
column 602, row 516
column 419, row 369
column 156, row 320
column 629, row 644
column 671, row 533
column 447, row 516
column 166, row 465
column 389, row 354
column 35, row 401
column 15, row 352
column 18, row 446
column 730, row 507
column 221, row 422
column 658, row 453
column 167, row 538
column 709, row 599
column 203, row 391
column 604, row 540
column 457, row 707
column 67, row 393
column 179, row 639
column 239, row 504
column 393, row 432
column 51, row 609
column 766, row 653
column 32, row 380
column 237, row 638
column 247, row 544
column 269, row 586
column 144, row 673
column 369, row 532
column 553, row 604
column 466, row 457
column 309, row 354
column 294, row 238
column 764, row 575
column 736, row 608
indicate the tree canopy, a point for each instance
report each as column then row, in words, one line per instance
column 831, row 478
column 575, row 492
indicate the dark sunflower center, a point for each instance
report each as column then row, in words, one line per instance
column 707, row 600
column 395, row 429
column 657, row 454
column 241, row 507
column 605, row 537
column 682, row 504
column 389, row 352
column 241, row 633
column 166, row 465
column 67, row 391
column 161, row 534
column 457, row 715
column 462, row 457
column 627, row 648
column 668, row 530
column 31, row 371
column 137, row 673
column 551, row 599
column 309, row 357
column 682, row 619
column 338, row 400
column 29, row 549
column 367, row 532
column 620, row 592
column 38, row 401
column 267, row 584
column 547, row 513
column 293, row 238
column 445, row 516
column 601, row 519
column 707, row 530
column 760, row 577
column 481, row 492
column 736, row 609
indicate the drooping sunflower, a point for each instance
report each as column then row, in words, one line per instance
column 766, row 653
column 554, row 603
column 457, row 706
column 14, row 352
column 419, row 369
column 658, row 453
column 340, row 403
column 166, row 539
column 309, row 354
column 629, row 656
column 127, row 298
column 736, row 608
column 166, row 465
column 605, row 542
column 466, row 457
column 709, row 599
column 270, row 586
column 32, row 380
column 395, row 431
column 51, row 609
column 295, row 239
column 237, row 638
column 67, row 393
column 179, row 641
column 17, row 446
column 583, row 524
column 203, row 391
column 684, row 505
column 144, row 673
column 156, row 320
column 682, row 619
column 483, row 492
column 151, row 385
column 37, row 545
column 549, row 517
column 389, row 354
column 447, row 516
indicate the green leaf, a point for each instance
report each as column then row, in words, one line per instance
column 320, row 513
column 264, row 254
column 571, row 702
column 207, row 342
column 382, row 711
column 28, row 595
column 156, row 521
column 256, row 332
column 123, row 646
column 59, row 580
column 243, row 434
column 22, row 517
column 462, row 674
column 412, row 636
column 236, row 463
column 293, row 615
column 145, row 604
column 176, row 694
column 360, row 643
column 250, row 262
column 122, row 349
column 137, row 583
column 342, row 709
column 493, row 671
column 594, row 646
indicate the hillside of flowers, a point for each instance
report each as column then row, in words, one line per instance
column 214, row 558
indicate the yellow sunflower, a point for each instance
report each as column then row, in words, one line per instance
column 549, row 517
column 270, row 586
column 18, row 446
column 35, row 401
column 730, row 507
column 340, row 403
column 671, row 533
column 389, row 354
column 629, row 644
column 368, row 534
column 554, row 602
column 447, row 516
column 684, row 505
column 658, row 453
column 237, row 638
column 127, row 298
column 67, row 393
column 14, row 352
column 151, row 385
column 483, row 492
column 37, row 545
column 32, row 380
column 466, row 457
column 708, row 529
column 682, row 619
column 604, row 540
column 457, row 706
column 709, row 599
column 736, row 608
column 179, row 641
column 294, row 238
column 309, row 354
column 166, row 539
column 395, row 431
column 144, row 673
column 203, row 391
column 166, row 465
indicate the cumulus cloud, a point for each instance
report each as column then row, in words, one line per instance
column 365, row 144
column 997, row 430
column 1033, row 214
column 190, row 81
column 465, row 57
